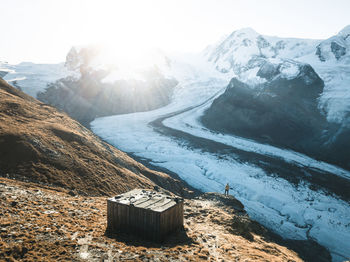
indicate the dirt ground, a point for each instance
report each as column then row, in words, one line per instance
column 48, row 224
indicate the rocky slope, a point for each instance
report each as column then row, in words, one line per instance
column 44, row 223
column 38, row 143
column 282, row 111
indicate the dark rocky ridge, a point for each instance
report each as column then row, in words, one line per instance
column 282, row 112
column 86, row 98
column 336, row 47
column 338, row 50
column 3, row 73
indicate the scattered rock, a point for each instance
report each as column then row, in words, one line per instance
column 72, row 193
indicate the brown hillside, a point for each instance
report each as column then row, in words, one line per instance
column 40, row 144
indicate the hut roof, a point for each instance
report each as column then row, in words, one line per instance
column 147, row 199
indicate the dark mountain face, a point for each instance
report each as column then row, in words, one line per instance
column 86, row 98
column 283, row 112
column 101, row 88
column 3, row 73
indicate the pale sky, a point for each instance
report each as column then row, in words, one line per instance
column 43, row 31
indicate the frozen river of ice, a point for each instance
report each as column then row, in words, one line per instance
column 291, row 210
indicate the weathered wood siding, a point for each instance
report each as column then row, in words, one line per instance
column 149, row 224
column 171, row 219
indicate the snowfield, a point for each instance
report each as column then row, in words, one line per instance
column 335, row 99
column 295, row 211
column 33, row 78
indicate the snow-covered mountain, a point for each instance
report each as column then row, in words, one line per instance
column 106, row 83
column 243, row 53
column 331, row 60
column 335, row 48
column 261, row 61
column 4, row 69
column 246, row 49
column 32, row 78
column 107, row 65
column 282, row 111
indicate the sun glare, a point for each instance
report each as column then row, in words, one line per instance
column 127, row 32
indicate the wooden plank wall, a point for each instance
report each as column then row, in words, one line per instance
column 171, row 219
column 143, row 222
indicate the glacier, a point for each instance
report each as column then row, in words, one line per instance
column 292, row 210
column 173, row 138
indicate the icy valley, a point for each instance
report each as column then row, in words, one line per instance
column 268, row 115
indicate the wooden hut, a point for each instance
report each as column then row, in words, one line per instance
column 149, row 214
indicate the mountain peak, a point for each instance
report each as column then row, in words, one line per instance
column 247, row 31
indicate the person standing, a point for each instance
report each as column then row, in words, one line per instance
column 227, row 188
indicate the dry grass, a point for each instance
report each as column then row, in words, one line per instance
column 38, row 143
column 47, row 224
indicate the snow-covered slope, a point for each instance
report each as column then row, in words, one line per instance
column 245, row 49
column 335, row 48
column 331, row 60
column 4, row 70
column 33, row 78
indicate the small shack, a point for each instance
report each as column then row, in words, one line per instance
column 149, row 214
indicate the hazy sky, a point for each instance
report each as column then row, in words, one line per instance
column 44, row 30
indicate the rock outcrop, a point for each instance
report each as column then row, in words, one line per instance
column 336, row 47
column 283, row 111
